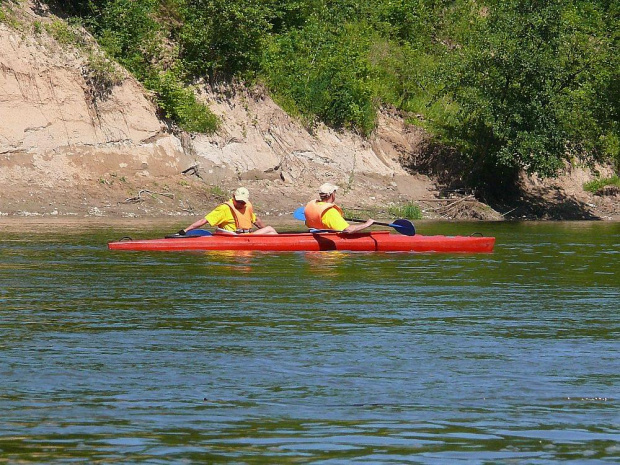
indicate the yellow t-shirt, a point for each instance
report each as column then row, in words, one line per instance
column 222, row 217
column 332, row 219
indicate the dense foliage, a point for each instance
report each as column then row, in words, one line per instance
column 512, row 84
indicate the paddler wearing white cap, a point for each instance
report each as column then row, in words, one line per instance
column 325, row 214
column 236, row 216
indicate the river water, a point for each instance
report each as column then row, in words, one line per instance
column 325, row 357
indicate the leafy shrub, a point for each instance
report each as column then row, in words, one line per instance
column 521, row 90
column 128, row 32
column 223, row 38
column 179, row 103
column 133, row 32
column 101, row 75
column 324, row 72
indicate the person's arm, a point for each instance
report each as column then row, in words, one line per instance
column 195, row 225
column 262, row 228
column 358, row 227
column 332, row 219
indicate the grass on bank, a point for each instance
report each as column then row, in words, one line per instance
column 409, row 211
column 597, row 184
column 7, row 15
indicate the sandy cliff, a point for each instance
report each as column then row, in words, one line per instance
column 66, row 150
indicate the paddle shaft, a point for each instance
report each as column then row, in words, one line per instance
column 376, row 222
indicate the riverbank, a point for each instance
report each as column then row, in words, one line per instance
column 67, row 151
column 179, row 198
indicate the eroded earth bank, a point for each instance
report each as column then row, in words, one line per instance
column 69, row 149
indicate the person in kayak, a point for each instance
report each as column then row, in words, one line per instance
column 233, row 217
column 325, row 214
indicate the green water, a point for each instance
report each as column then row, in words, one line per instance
column 328, row 357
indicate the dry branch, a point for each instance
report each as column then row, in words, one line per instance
column 445, row 208
column 139, row 198
column 192, row 170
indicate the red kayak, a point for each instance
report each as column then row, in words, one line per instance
column 376, row 241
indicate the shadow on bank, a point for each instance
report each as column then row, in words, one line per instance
column 456, row 178
column 551, row 206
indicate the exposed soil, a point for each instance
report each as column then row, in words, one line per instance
column 112, row 193
column 66, row 152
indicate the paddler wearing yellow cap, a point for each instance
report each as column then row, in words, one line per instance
column 236, row 216
column 325, row 214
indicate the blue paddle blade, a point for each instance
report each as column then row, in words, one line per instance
column 192, row 233
column 299, row 214
column 198, row 232
column 405, row 227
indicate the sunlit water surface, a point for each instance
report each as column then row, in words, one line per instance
column 328, row 357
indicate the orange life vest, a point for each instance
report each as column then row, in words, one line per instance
column 243, row 221
column 314, row 213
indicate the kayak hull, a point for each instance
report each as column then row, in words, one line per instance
column 376, row 241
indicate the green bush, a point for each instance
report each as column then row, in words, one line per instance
column 129, row 32
column 223, row 38
column 102, row 75
column 179, row 103
column 64, row 33
column 524, row 89
column 138, row 34
column 326, row 73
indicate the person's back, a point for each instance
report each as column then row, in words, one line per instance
column 325, row 214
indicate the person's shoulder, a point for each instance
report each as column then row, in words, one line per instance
column 221, row 208
column 332, row 219
column 331, row 211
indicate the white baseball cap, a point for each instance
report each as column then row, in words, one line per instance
column 241, row 195
column 328, row 188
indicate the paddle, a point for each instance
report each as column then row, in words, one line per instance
column 405, row 227
column 191, row 233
